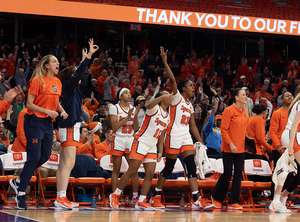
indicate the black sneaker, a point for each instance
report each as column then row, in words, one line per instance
column 14, row 184
column 21, row 202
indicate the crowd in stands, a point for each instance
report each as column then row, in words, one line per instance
column 104, row 77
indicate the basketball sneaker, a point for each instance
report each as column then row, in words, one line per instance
column 156, row 202
column 63, row 202
column 144, row 205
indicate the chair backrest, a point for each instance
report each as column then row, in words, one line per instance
column 213, row 164
column 257, row 167
column 12, row 161
column 53, row 162
column 219, row 166
column 106, row 163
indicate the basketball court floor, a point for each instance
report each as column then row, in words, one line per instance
column 173, row 214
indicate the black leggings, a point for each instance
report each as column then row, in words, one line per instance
column 221, row 188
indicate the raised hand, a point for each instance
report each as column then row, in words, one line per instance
column 84, row 53
column 93, row 48
column 158, row 81
column 92, row 95
column 137, row 110
column 130, row 113
column 10, row 95
column 163, row 54
column 19, row 60
column 128, row 48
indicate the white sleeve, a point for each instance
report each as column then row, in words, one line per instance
column 113, row 110
column 176, row 98
column 152, row 111
column 270, row 108
column 192, row 108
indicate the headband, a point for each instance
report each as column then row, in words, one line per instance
column 122, row 90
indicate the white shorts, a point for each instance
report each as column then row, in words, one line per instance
column 178, row 144
column 120, row 145
column 70, row 136
column 143, row 151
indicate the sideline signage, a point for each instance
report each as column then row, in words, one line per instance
column 87, row 10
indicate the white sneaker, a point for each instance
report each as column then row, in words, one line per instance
column 283, row 200
column 201, row 204
column 278, row 207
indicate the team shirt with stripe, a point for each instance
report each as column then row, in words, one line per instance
column 126, row 130
column 295, row 108
column 155, row 121
column 180, row 114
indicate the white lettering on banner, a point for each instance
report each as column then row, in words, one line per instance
column 293, row 26
column 235, row 19
column 245, row 27
column 185, row 18
column 163, row 17
column 274, row 25
column 281, row 26
column 256, row 24
column 200, row 18
column 148, row 15
column 141, row 10
column 173, row 17
column 220, row 19
column 214, row 22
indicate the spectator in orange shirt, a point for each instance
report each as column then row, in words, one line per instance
column 100, row 82
column 138, row 77
column 96, row 67
column 243, row 70
column 9, row 64
column 73, row 47
column 208, row 59
column 243, row 82
column 4, row 136
column 133, row 65
column 233, row 130
column 263, row 94
column 186, row 70
column 74, row 60
column 92, row 108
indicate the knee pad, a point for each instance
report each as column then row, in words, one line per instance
column 170, row 163
column 190, row 166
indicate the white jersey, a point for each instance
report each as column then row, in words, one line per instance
column 126, row 130
column 295, row 108
column 180, row 113
column 156, row 120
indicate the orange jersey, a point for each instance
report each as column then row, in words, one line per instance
column 47, row 99
column 92, row 110
column 139, row 81
column 100, row 82
column 266, row 95
column 133, row 67
column 4, row 106
column 186, row 71
column 97, row 69
column 256, row 131
column 234, row 128
column 277, row 126
column 10, row 67
column 20, row 142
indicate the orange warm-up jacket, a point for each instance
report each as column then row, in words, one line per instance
column 256, row 131
column 100, row 82
column 186, row 71
column 20, row 142
column 133, row 67
column 234, row 128
column 277, row 126
column 92, row 110
column 97, row 69
column 94, row 150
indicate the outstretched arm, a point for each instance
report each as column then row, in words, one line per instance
column 169, row 72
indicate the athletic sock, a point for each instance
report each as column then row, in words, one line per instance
column 157, row 192
column 142, row 198
column 276, row 198
column 118, row 191
column 58, row 193
column 134, row 195
column 20, row 193
column 18, row 180
column 63, row 193
column 196, row 195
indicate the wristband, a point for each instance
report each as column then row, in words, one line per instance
column 88, row 143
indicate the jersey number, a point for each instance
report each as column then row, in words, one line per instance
column 157, row 133
column 185, row 120
column 127, row 129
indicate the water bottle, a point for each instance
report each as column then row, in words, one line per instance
column 267, row 204
column 182, row 202
column 94, row 202
column 127, row 202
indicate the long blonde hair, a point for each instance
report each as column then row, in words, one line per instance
column 296, row 99
column 41, row 70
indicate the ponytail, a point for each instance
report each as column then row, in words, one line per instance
column 296, row 99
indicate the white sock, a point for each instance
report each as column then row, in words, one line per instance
column 118, row 191
column 284, row 199
column 142, row 198
column 195, row 192
column 58, row 193
column 135, row 194
column 276, row 198
column 20, row 193
column 63, row 193
column 157, row 190
column 18, row 180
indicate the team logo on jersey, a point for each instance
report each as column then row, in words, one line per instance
column 17, row 156
column 159, row 122
column 184, row 109
column 54, row 88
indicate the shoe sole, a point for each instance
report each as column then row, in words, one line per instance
column 75, row 205
column 145, row 209
column 233, row 208
column 110, row 203
column 208, row 207
column 16, row 199
column 159, row 208
column 13, row 186
column 62, row 206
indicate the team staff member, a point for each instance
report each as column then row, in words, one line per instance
column 143, row 148
column 69, row 128
column 233, row 130
column 124, row 125
column 178, row 138
column 256, row 130
column 42, row 104
column 277, row 126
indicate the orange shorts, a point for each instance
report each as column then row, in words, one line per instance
column 142, row 151
column 175, row 145
column 70, row 136
column 120, row 146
